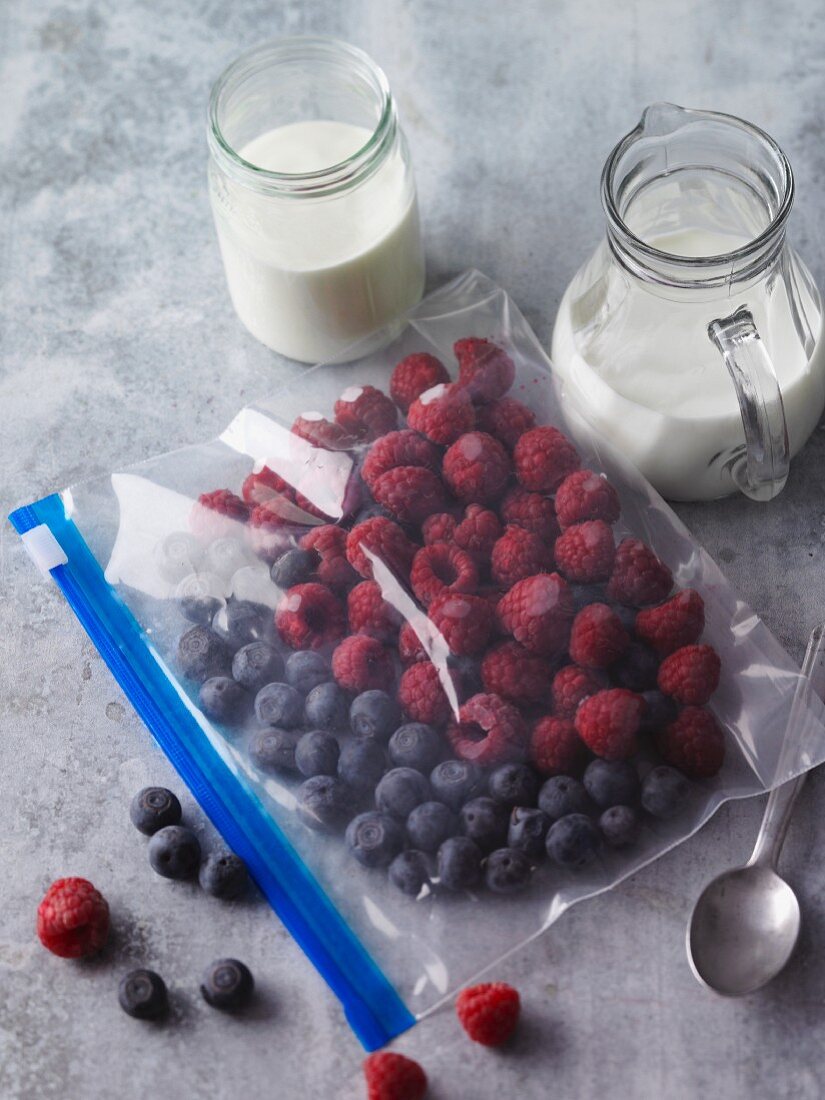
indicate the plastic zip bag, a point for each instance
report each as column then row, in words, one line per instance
column 144, row 564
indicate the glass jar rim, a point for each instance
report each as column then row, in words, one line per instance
column 337, row 177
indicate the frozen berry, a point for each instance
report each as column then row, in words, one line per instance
column 422, row 696
column 489, row 731
column 296, row 566
column 518, row 554
column 573, row 840
column 561, row 795
column 571, row 684
column 620, row 826
column 664, row 791
column 262, row 485
column 477, row 532
column 200, row 596
column 510, row 671
column 439, row 527
column 584, row 495
column 637, row 670
column 513, row 785
column 488, row 1012
column 316, row 753
column 328, row 544
column 400, row 791
column 476, row 468
column 410, row 646
column 223, row 699
column 373, row 714
column 484, row 821
column 638, row 576
column 257, row 664
column 374, row 838
column 361, row 764
column 177, row 555
column 507, row 871
column 322, row 433
column 410, row 493
column 527, row 831
column 223, row 875
column 442, row 414
column 279, row 704
column 369, row 613
column 506, row 419
column 391, row 1076
column 585, row 552
column 414, row 375
column 459, row 863
column 597, row 638
column 532, row 511
column 73, row 918
column 660, row 711
column 415, row 745
column 218, row 513
column 305, row 670
column 361, row 663
column 153, row 808
column 324, row 803
column 365, row 412
column 225, row 556
column 455, row 782
column 608, row 722
column 464, row 621
column 538, row 612
column 227, row 984
column 241, row 622
column 142, row 995
column 543, row 457
column 310, row 616
column 202, row 654
column 273, row 750
column 174, row 852
column 326, row 707
column 442, row 568
column 484, row 369
column 429, row 824
column 403, row 448
column 380, row 540
column 677, row 622
column 611, row 783
column 694, row 743
column 690, row 675
column 409, row 872
column 555, row 747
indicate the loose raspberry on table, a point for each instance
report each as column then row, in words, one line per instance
column 519, row 554
column 477, row 532
column 506, row 419
column 442, row 414
column 422, row 696
column 401, row 448
column 490, row 730
column 538, row 612
column 330, row 542
column 690, row 675
column 532, row 511
column 485, row 369
column 309, row 616
column 598, row 638
column 361, row 663
column 261, row 486
column 413, row 376
column 488, row 1012
column 365, row 412
column 556, row 748
column 510, row 671
column 391, row 1076
column 571, row 684
column 543, row 457
column 464, row 621
column 382, row 539
column 476, row 468
column 694, row 743
column 439, row 527
column 320, row 432
column 638, row 576
column 410, row 648
column 411, row 493
column 608, row 722
column 585, row 552
column 369, row 613
column 586, row 495
column 673, row 624
column 217, row 513
column 442, row 568
column 73, row 918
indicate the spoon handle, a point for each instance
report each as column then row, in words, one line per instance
column 782, row 799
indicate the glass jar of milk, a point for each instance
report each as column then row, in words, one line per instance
column 313, row 196
column 692, row 338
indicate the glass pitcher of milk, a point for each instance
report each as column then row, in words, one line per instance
column 692, row 338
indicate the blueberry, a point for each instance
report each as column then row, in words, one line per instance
column 279, row 705
column 326, row 707
column 507, row 871
column 429, row 825
column 317, row 754
column 513, row 785
column 625, row 615
column 459, row 863
column 638, row 668
column 177, row 555
column 273, row 750
column 664, row 791
column 620, row 826
column 153, row 808
column 562, row 795
column 374, row 714
column 242, row 622
column 584, row 594
column 223, row 699
column 202, row 654
column 174, row 852
column 223, row 875
column 455, row 781
column 225, row 556
column 200, row 596
column 294, row 567
column 305, row 669
column 409, row 871
column 573, row 840
column 375, row 839
column 361, row 764
column 415, row 746
column 324, row 802
column 142, row 994
column 611, row 783
column 256, row 665
column 527, row 830
column 227, row 984
column 659, row 712
column 485, row 822
column 400, row 791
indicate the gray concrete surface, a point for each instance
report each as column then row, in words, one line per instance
column 118, row 340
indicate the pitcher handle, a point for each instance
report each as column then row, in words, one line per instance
column 763, row 470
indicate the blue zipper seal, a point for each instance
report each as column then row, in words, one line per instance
column 373, row 1008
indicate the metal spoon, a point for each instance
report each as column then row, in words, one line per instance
column 745, row 925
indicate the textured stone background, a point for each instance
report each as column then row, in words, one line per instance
column 118, row 340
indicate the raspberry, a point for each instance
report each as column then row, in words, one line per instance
column 522, row 677
column 608, row 722
column 543, row 458
column 413, row 376
column 556, row 748
column 484, row 369
column 361, row 663
column 488, row 1012
column 330, row 543
column 439, row 527
column 442, row 568
column 73, row 918
column 489, row 731
column 320, row 432
column 585, row 495
column 694, row 743
column 369, row 613
column 571, row 684
column 402, row 448
column 477, row 533
column 690, row 675
column 391, row 1076
column 410, row 648
column 638, row 576
column 217, row 513
column 263, row 485
column 476, row 467
column 442, row 414
column 585, row 553
column 422, row 695
column 365, row 412
column 411, row 493
column 465, row 622
column 309, row 616
column 676, row 623
column 379, row 538
column 506, row 419
column 598, row 637
column 268, row 531
column 518, row 554
column 306, row 505
column 532, row 511
column 538, row 612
